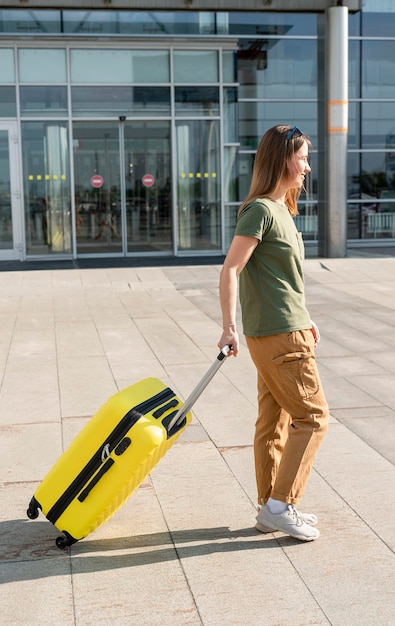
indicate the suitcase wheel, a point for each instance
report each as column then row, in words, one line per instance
column 65, row 540
column 33, row 510
column 61, row 542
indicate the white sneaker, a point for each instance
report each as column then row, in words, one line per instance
column 308, row 518
column 290, row 522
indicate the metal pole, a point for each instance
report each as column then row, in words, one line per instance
column 337, row 128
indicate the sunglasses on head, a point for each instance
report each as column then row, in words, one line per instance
column 294, row 131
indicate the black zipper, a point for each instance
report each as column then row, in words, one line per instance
column 108, row 445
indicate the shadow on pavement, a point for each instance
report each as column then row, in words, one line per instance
column 29, row 548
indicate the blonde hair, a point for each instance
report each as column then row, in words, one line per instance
column 276, row 147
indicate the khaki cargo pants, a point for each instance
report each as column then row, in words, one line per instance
column 293, row 414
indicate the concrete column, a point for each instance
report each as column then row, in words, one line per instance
column 333, row 239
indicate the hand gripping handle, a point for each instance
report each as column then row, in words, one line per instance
column 200, row 387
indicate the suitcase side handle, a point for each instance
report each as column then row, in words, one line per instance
column 200, row 387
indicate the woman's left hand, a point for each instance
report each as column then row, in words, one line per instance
column 316, row 333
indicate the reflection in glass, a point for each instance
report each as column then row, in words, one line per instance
column 197, row 101
column 307, row 220
column 375, row 21
column 378, row 69
column 198, row 185
column 266, row 23
column 354, row 21
column 119, row 66
column 378, row 122
column 6, row 239
column 246, row 163
column 196, row 66
column 132, row 22
column 159, row 23
column 22, row 22
column 354, row 65
column 104, row 205
column 45, row 157
column 47, row 65
column 120, row 101
column 277, row 68
column 371, row 193
column 309, row 193
column 97, row 187
column 231, row 211
column 148, row 186
column 230, row 115
column 360, row 199
column 40, row 101
column 256, row 117
column 231, row 179
column 354, row 125
column 7, row 71
column 229, row 66
column 377, row 171
column 29, row 22
column 7, row 102
column 353, row 175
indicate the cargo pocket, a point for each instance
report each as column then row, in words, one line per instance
column 298, row 373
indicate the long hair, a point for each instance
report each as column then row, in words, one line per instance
column 276, row 147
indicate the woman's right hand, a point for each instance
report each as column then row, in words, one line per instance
column 230, row 338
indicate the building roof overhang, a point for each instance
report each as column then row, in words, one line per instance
column 285, row 6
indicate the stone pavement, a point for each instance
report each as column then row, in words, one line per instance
column 183, row 550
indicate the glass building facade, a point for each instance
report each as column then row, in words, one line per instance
column 134, row 133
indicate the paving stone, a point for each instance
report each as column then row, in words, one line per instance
column 183, row 549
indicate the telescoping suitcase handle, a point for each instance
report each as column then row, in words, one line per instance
column 200, row 387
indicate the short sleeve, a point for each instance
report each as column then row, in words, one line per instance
column 254, row 220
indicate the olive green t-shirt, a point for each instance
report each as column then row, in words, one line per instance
column 271, row 285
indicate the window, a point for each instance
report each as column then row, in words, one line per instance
column 7, row 102
column 378, row 121
column 7, row 70
column 196, row 66
column 277, row 68
column 43, row 101
column 256, row 117
column 198, row 185
column 42, row 65
column 120, row 66
column 197, row 101
column 117, row 101
column 230, row 115
column 229, row 66
column 47, row 187
column 378, row 69
column 266, row 23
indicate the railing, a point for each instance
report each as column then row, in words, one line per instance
column 380, row 224
column 377, row 224
column 307, row 224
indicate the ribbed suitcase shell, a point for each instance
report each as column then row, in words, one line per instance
column 127, row 469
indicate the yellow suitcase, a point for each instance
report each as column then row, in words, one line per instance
column 112, row 455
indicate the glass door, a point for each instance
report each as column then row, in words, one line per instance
column 122, row 187
column 97, row 183
column 198, row 185
column 45, row 158
column 148, row 186
column 10, row 204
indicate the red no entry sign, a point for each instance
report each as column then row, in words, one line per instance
column 148, row 180
column 97, row 181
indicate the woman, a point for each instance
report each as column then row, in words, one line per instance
column 267, row 253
